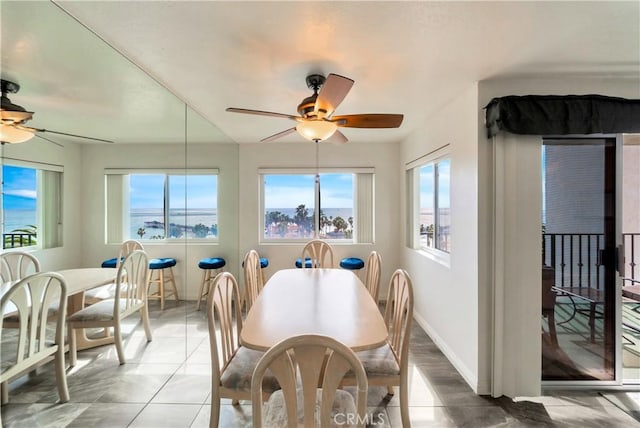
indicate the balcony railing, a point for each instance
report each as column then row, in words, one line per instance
column 574, row 257
column 17, row 240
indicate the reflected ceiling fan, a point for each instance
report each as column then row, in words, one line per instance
column 13, row 118
column 316, row 121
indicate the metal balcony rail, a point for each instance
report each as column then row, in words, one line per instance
column 574, row 257
column 18, row 239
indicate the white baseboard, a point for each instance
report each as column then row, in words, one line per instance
column 466, row 374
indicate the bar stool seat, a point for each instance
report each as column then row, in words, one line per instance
column 211, row 266
column 110, row 263
column 307, row 262
column 161, row 274
column 352, row 263
column 264, row 262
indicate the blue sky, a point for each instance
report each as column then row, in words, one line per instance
column 19, row 189
column 426, row 185
column 146, row 191
column 289, row 191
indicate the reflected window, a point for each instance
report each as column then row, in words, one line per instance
column 31, row 207
column 153, row 205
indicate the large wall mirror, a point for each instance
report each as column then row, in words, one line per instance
column 169, row 179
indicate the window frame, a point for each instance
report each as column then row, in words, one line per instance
column 413, row 169
column 49, row 180
column 363, row 203
column 117, row 206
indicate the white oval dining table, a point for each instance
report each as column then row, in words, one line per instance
column 332, row 302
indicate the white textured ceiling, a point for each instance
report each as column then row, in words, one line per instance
column 405, row 57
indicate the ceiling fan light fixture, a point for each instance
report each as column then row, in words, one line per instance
column 13, row 135
column 316, row 130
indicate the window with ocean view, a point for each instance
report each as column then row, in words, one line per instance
column 172, row 206
column 31, row 207
column 290, row 206
column 435, row 219
column 429, row 202
column 19, row 203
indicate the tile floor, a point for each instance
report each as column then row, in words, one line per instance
column 166, row 383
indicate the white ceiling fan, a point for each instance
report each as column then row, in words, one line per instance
column 13, row 118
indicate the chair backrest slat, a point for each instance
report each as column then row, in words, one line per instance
column 131, row 283
column 372, row 274
column 320, row 253
column 252, row 277
column 399, row 313
column 15, row 265
column 223, row 310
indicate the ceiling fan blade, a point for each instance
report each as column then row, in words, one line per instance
column 47, row 139
column 369, row 120
column 262, row 113
column 67, row 134
column 332, row 92
column 337, row 138
column 278, row 135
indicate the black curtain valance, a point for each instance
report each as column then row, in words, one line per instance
column 562, row 115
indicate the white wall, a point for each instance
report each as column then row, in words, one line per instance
column 383, row 157
column 446, row 297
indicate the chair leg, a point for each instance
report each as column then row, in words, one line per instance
column 4, row 392
column 390, row 390
column 61, row 375
column 117, row 339
column 404, row 404
column 73, row 352
column 144, row 313
column 214, row 418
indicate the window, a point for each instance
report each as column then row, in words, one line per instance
column 158, row 205
column 31, row 205
column 431, row 217
column 339, row 209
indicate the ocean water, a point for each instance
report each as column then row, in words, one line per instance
column 18, row 219
column 152, row 221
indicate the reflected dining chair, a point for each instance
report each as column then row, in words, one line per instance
column 232, row 364
column 372, row 274
column 253, row 279
column 31, row 299
column 130, row 296
column 316, row 254
column 96, row 294
column 15, row 265
column 319, row 361
column 388, row 365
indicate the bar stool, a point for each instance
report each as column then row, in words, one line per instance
column 161, row 273
column 352, row 264
column 211, row 267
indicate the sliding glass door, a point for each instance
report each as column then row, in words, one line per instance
column 579, row 228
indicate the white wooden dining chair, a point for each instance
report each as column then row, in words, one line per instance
column 318, row 361
column 130, row 296
column 231, row 363
column 388, row 365
column 320, row 253
column 16, row 265
column 253, row 279
column 96, row 294
column 30, row 299
column 372, row 274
